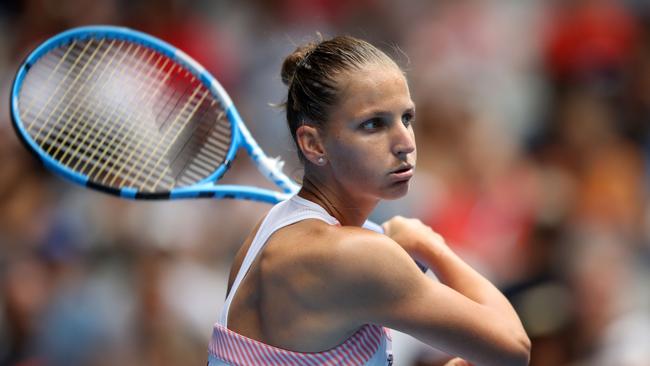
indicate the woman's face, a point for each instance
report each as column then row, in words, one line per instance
column 369, row 140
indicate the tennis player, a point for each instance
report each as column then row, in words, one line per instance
column 310, row 285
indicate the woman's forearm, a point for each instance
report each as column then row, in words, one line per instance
column 452, row 271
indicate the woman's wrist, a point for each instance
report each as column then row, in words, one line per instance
column 449, row 268
column 433, row 251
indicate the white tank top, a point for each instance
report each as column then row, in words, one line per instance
column 369, row 346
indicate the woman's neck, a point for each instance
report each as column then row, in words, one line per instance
column 348, row 209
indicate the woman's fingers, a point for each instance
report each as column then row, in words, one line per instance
column 457, row 362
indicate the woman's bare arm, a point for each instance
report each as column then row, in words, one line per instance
column 372, row 279
column 422, row 242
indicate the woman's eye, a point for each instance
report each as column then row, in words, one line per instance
column 371, row 124
column 407, row 119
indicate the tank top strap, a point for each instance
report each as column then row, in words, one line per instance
column 282, row 214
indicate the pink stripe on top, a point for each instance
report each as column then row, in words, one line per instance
column 238, row 350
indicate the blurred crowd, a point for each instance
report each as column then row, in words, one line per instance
column 533, row 133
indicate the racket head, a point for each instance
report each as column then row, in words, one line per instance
column 62, row 136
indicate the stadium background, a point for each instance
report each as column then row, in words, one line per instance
column 533, row 136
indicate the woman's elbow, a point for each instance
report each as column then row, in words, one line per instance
column 527, row 346
column 514, row 352
column 519, row 354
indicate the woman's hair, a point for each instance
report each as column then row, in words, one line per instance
column 311, row 71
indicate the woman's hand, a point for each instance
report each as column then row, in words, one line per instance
column 457, row 362
column 414, row 237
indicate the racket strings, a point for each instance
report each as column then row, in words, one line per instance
column 61, row 87
column 75, row 89
column 92, row 110
column 134, row 138
column 111, row 136
column 186, row 114
column 48, row 59
column 194, row 161
column 74, row 118
column 144, row 176
column 73, row 109
column 124, row 115
column 189, row 141
column 155, row 169
column 70, row 125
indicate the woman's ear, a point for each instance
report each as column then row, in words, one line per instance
column 310, row 142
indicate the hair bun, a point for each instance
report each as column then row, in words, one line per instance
column 293, row 60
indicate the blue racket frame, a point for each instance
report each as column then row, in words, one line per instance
column 241, row 137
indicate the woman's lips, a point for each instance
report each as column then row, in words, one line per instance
column 402, row 174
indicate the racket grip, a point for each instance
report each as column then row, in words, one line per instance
column 423, row 267
column 377, row 228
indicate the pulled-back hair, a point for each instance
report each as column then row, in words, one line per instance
column 311, row 71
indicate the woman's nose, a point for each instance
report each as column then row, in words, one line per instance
column 404, row 140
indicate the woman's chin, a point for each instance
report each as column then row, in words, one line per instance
column 396, row 191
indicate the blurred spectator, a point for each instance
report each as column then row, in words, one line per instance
column 588, row 39
column 182, row 24
column 611, row 325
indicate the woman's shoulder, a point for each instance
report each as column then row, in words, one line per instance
column 333, row 272
column 315, row 256
column 317, row 244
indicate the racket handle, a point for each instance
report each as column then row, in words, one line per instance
column 421, row 266
column 377, row 228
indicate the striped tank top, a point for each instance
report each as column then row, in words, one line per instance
column 369, row 346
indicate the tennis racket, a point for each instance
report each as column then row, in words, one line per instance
column 122, row 112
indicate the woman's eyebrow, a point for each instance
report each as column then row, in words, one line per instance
column 382, row 113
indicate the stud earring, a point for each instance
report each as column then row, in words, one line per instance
column 321, row 161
